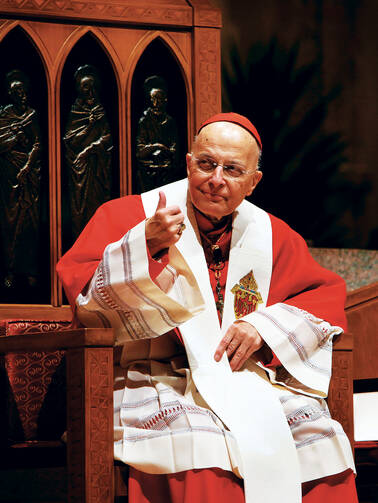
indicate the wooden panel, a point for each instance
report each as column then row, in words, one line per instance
column 205, row 14
column 122, row 11
column 207, row 73
column 35, row 312
column 121, row 29
column 362, row 315
column 343, row 342
column 361, row 295
column 62, row 339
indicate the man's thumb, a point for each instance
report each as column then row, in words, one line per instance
column 162, row 201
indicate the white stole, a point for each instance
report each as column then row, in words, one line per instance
column 244, row 400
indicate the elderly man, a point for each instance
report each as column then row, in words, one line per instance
column 225, row 327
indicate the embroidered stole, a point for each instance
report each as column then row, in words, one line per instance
column 244, row 400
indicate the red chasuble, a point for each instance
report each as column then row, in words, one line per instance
column 310, row 290
column 217, row 486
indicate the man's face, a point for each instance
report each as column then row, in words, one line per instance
column 214, row 193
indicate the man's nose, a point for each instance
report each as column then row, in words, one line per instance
column 217, row 176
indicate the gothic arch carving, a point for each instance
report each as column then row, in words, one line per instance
column 157, row 54
column 25, row 175
column 89, row 124
column 140, row 48
column 72, row 41
column 34, row 39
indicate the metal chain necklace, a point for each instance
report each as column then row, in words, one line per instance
column 217, row 268
column 216, row 265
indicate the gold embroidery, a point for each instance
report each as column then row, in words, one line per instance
column 246, row 296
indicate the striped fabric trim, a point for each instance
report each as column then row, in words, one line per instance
column 102, row 292
column 129, row 301
column 169, row 413
column 134, row 323
column 129, row 279
column 161, row 421
column 299, row 348
column 129, row 437
column 132, row 319
column 327, row 434
column 108, row 299
column 305, row 415
column 322, row 334
column 104, row 320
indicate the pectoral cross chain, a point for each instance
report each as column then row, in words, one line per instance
column 220, row 302
column 218, row 259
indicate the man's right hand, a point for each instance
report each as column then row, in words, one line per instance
column 163, row 229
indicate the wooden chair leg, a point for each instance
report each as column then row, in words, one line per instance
column 90, row 451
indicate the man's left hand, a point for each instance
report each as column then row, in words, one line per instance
column 240, row 342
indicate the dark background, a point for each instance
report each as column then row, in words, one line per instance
column 305, row 72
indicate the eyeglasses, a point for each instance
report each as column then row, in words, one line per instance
column 207, row 165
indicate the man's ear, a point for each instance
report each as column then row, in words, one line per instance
column 188, row 163
column 256, row 177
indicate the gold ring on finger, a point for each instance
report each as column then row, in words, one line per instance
column 181, row 229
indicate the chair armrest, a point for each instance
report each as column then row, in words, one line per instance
column 343, row 342
column 60, row 339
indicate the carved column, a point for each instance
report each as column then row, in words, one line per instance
column 207, row 73
column 90, row 425
column 207, row 22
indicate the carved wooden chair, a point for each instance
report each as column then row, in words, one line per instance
column 88, row 355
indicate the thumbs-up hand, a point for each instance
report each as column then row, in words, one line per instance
column 164, row 228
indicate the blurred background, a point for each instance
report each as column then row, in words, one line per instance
column 305, row 73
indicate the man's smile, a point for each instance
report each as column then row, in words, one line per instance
column 213, row 196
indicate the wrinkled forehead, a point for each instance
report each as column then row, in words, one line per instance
column 226, row 136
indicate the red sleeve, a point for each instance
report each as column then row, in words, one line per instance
column 154, row 266
column 274, row 362
column 110, row 222
column 298, row 280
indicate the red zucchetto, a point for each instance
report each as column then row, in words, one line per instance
column 238, row 119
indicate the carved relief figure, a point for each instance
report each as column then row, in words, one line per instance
column 157, row 143
column 20, row 176
column 88, row 144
